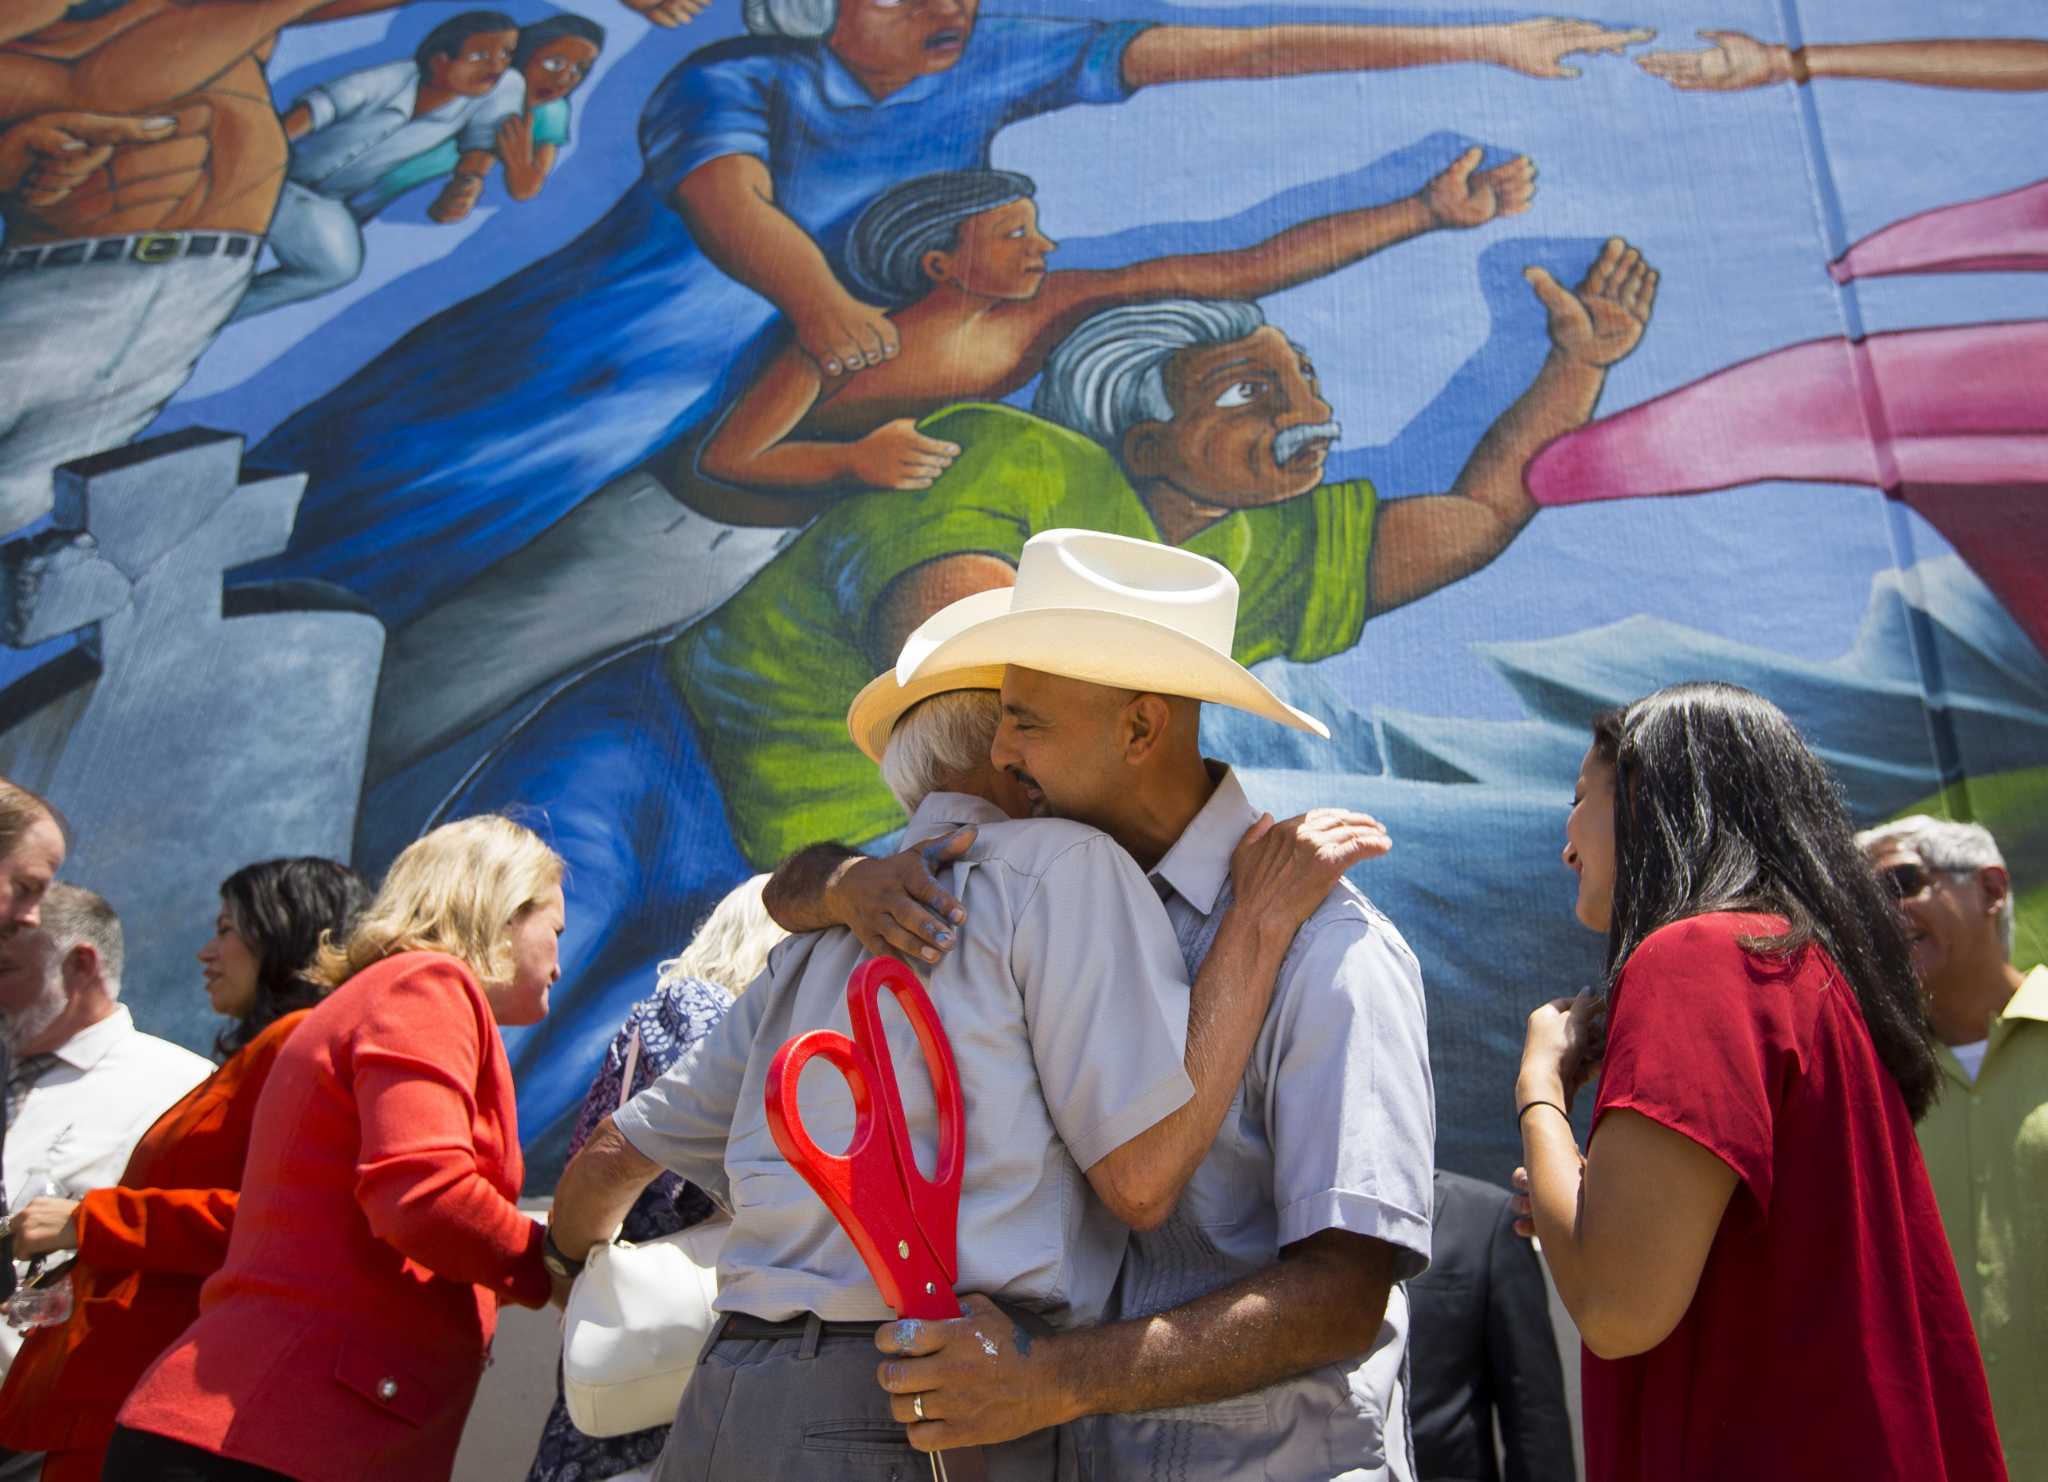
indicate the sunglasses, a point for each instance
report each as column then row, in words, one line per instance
column 1906, row 881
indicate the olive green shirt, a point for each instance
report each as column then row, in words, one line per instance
column 769, row 675
column 1986, row 1147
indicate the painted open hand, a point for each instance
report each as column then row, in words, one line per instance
column 1538, row 48
column 1604, row 319
column 668, row 12
column 897, row 456
column 515, row 142
column 1461, row 198
column 977, row 1376
column 1734, row 62
column 843, row 334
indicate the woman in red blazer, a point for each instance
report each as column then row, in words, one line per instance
column 147, row 1243
column 377, row 1234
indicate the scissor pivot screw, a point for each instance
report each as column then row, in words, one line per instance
column 930, row 1290
column 903, row 1249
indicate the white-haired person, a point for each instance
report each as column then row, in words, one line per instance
column 377, row 1232
column 1985, row 1141
column 691, row 995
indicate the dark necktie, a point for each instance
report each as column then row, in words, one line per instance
column 22, row 1079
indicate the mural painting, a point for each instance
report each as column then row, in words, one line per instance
column 411, row 410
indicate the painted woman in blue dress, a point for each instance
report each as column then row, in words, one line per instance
column 489, row 422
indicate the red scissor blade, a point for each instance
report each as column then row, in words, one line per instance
column 934, row 1202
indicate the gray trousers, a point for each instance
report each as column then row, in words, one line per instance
column 319, row 248
column 808, row 1409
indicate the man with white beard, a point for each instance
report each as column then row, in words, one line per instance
column 85, row 1083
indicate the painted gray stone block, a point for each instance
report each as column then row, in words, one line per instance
column 204, row 742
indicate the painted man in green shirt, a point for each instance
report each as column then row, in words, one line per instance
column 1986, row 1139
column 1189, row 422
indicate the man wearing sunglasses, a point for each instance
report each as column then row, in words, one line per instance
column 1986, row 1140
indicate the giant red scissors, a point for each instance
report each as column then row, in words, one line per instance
column 904, row 1225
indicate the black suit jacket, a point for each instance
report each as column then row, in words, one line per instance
column 1481, row 1342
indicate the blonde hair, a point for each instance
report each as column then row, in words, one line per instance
column 453, row 890
column 732, row 945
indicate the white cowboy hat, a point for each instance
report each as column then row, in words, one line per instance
column 1106, row 609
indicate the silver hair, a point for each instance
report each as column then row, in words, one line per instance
column 943, row 737
column 1949, row 846
column 732, row 945
column 73, row 915
column 798, row 20
column 1109, row 375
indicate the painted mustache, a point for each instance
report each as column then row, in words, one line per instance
column 1293, row 439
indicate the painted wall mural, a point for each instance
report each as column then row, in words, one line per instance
column 409, row 409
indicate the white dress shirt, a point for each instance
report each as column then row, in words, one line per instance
column 84, row 1115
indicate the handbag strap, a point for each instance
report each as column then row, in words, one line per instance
column 632, row 1064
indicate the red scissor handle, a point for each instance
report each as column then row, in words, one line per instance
column 934, row 1202
column 902, row 1224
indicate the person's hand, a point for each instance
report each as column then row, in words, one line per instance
column 43, row 1225
column 843, row 334
column 457, row 199
column 897, row 456
column 1538, row 48
column 45, row 158
column 1560, row 1050
column 1460, row 198
column 668, row 12
column 1604, row 320
column 1521, row 1206
column 515, row 142
column 894, row 906
column 1282, row 871
column 977, row 1375
column 1733, row 63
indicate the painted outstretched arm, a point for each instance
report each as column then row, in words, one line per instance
column 1461, row 196
column 729, row 205
column 1428, row 542
column 1737, row 61
column 1201, row 53
column 748, row 446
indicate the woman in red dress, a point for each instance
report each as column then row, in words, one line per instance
column 146, row 1244
column 343, row 1338
column 1749, row 1246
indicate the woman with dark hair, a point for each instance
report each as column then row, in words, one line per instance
column 959, row 258
column 147, row 1244
column 1750, row 1245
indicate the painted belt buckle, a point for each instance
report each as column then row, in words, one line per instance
column 153, row 247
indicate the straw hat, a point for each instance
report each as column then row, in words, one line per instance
column 1107, row 609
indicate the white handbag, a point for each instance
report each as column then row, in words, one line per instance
column 636, row 1321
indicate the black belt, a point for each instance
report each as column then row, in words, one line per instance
column 143, row 247
column 747, row 1328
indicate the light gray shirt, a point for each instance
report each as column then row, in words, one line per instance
column 1056, row 1003
column 363, row 126
column 1334, row 1128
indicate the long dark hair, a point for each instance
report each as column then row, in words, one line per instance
column 1720, row 806
column 282, row 908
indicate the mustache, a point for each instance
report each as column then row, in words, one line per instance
column 1293, row 439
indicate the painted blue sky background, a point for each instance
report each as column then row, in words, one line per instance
column 1739, row 199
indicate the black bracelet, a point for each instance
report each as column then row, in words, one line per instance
column 1541, row 1102
column 555, row 1259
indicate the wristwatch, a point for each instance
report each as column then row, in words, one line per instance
column 551, row 1257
